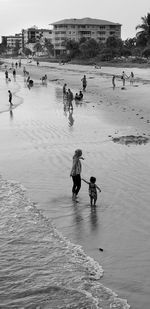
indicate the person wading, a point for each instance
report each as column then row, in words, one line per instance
column 76, row 172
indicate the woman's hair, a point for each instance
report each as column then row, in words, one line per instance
column 92, row 179
column 78, row 152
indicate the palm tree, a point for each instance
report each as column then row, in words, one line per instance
column 38, row 47
column 144, row 33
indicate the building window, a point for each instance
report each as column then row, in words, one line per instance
column 84, row 32
column 101, row 32
column 112, row 26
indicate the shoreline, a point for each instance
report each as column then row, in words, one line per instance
column 90, row 62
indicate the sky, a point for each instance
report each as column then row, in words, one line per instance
column 16, row 15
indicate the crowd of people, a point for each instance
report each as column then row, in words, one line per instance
column 123, row 77
column 68, row 96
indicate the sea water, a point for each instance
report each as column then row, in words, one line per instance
column 39, row 267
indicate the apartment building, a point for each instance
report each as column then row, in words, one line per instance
column 76, row 29
column 12, row 40
column 34, row 35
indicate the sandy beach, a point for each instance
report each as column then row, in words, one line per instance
column 112, row 127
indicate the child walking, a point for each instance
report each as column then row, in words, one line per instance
column 92, row 190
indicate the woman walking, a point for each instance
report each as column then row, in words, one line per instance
column 76, row 172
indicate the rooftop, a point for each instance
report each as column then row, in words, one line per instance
column 84, row 21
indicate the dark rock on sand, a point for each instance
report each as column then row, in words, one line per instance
column 131, row 139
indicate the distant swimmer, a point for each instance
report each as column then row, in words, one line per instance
column 10, row 98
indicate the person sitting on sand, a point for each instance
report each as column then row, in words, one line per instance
column 92, row 190
column 76, row 96
column 44, row 79
column 79, row 96
column 97, row 66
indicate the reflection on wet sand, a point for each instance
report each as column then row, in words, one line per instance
column 11, row 114
column 93, row 218
column 70, row 118
column 68, row 112
column 78, row 219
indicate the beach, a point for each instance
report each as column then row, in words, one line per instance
column 38, row 139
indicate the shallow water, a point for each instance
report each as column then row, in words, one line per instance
column 38, row 140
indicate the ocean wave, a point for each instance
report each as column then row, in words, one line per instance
column 40, row 267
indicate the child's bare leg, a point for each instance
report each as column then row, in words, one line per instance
column 95, row 202
column 91, row 201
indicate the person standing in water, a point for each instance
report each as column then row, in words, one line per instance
column 10, row 98
column 14, row 74
column 64, row 90
column 131, row 78
column 70, row 98
column 76, row 172
column 113, row 81
column 123, row 77
column 84, row 82
column 92, row 190
column 6, row 75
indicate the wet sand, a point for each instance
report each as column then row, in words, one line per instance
column 38, row 140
